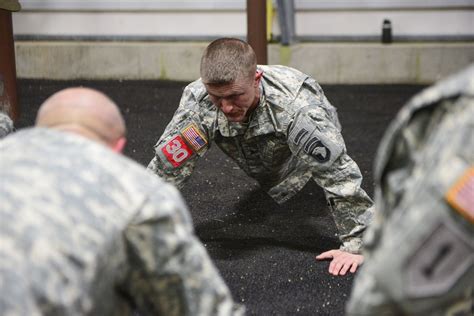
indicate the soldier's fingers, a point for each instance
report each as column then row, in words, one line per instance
column 335, row 267
column 345, row 267
column 354, row 267
column 326, row 255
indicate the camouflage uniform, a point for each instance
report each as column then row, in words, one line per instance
column 6, row 125
column 85, row 231
column 420, row 246
column 292, row 136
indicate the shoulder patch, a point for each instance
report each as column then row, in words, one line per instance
column 438, row 262
column 461, row 195
column 194, row 137
column 175, row 151
column 306, row 136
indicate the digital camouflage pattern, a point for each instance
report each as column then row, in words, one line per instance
column 6, row 125
column 292, row 136
column 85, row 231
column 420, row 246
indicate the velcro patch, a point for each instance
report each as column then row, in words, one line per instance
column 314, row 143
column 176, row 151
column 194, row 137
column 438, row 262
column 461, row 195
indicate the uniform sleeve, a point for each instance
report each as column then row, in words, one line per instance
column 6, row 125
column 170, row 270
column 184, row 140
column 420, row 262
column 420, row 251
column 315, row 138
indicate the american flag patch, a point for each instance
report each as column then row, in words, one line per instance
column 461, row 195
column 194, row 137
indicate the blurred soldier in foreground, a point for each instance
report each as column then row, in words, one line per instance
column 278, row 126
column 85, row 231
column 6, row 124
column 420, row 247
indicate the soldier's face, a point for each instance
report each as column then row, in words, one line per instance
column 238, row 99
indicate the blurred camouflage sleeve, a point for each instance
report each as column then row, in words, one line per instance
column 6, row 125
column 170, row 270
column 175, row 157
column 315, row 137
column 419, row 249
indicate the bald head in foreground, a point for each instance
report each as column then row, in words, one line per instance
column 88, row 232
column 86, row 112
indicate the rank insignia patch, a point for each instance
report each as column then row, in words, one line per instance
column 194, row 137
column 176, row 151
column 461, row 195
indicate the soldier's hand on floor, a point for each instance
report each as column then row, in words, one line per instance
column 342, row 261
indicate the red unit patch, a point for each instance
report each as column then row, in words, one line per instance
column 176, row 151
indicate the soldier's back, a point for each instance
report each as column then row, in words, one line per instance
column 65, row 202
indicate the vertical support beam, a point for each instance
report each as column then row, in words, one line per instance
column 8, row 97
column 257, row 29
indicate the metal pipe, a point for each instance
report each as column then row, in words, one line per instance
column 286, row 17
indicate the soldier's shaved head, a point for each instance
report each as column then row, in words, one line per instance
column 226, row 60
column 84, row 111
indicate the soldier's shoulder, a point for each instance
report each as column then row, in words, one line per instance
column 281, row 86
column 428, row 101
column 285, row 73
column 461, row 83
column 6, row 124
column 195, row 98
column 196, row 89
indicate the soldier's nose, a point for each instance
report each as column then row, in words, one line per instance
column 226, row 106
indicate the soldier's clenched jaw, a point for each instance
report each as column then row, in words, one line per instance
column 237, row 99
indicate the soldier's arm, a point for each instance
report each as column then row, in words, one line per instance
column 419, row 248
column 315, row 138
column 184, row 140
column 6, row 124
column 170, row 270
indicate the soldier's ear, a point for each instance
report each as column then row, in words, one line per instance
column 258, row 76
column 119, row 145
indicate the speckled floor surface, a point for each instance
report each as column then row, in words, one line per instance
column 264, row 251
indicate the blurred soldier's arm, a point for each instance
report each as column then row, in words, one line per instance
column 315, row 137
column 184, row 140
column 6, row 125
column 419, row 249
column 170, row 272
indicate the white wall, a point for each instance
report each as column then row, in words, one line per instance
column 188, row 19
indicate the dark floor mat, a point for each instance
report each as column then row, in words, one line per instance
column 264, row 251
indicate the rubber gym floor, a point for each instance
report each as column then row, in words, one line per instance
column 264, row 251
